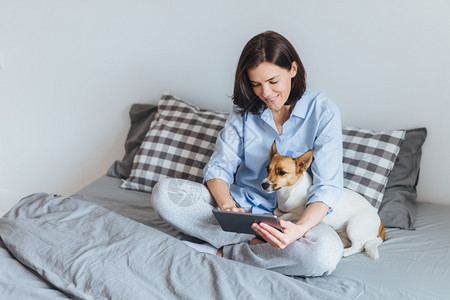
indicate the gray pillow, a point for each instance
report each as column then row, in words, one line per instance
column 141, row 116
column 398, row 207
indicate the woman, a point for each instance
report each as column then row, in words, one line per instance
column 272, row 103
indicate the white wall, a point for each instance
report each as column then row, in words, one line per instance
column 72, row 68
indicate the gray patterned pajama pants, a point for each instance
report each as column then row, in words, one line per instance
column 187, row 206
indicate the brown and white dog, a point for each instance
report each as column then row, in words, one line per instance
column 354, row 218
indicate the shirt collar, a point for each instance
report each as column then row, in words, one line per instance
column 300, row 109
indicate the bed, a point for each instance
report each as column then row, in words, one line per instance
column 107, row 242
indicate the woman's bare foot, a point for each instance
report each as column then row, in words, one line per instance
column 256, row 241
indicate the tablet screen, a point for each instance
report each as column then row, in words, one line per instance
column 242, row 222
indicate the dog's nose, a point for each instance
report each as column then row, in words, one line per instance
column 265, row 185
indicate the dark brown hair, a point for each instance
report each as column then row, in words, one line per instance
column 270, row 47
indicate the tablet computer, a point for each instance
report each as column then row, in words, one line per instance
column 242, row 222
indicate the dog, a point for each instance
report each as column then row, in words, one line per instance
column 354, row 219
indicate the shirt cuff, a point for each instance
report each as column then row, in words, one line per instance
column 217, row 173
column 329, row 195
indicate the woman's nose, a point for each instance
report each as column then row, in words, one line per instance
column 266, row 90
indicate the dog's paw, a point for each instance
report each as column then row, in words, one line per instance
column 289, row 217
column 352, row 250
column 277, row 212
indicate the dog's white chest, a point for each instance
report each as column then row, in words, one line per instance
column 294, row 196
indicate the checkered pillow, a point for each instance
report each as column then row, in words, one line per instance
column 368, row 159
column 178, row 144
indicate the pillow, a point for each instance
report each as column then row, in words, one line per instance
column 178, row 144
column 368, row 158
column 151, row 164
column 141, row 116
column 398, row 208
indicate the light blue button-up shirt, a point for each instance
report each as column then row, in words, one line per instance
column 242, row 151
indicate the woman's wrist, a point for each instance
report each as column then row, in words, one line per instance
column 313, row 214
column 220, row 191
column 227, row 205
column 300, row 230
column 232, row 207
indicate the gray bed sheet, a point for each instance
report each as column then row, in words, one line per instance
column 86, row 251
column 412, row 265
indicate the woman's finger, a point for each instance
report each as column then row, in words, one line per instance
column 266, row 236
column 281, row 238
column 263, row 230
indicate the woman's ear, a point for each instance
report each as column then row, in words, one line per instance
column 293, row 70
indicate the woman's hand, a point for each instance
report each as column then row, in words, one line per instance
column 220, row 191
column 278, row 239
column 312, row 215
column 232, row 208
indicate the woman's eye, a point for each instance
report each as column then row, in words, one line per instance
column 273, row 82
column 255, row 84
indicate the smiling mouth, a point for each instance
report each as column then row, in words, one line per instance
column 271, row 100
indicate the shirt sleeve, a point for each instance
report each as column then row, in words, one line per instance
column 228, row 152
column 327, row 164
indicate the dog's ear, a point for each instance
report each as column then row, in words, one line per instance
column 273, row 150
column 304, row 161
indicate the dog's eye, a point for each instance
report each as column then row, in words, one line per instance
column 268, row 169
column 281, row 173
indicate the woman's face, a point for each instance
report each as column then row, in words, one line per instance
column 272, row 84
